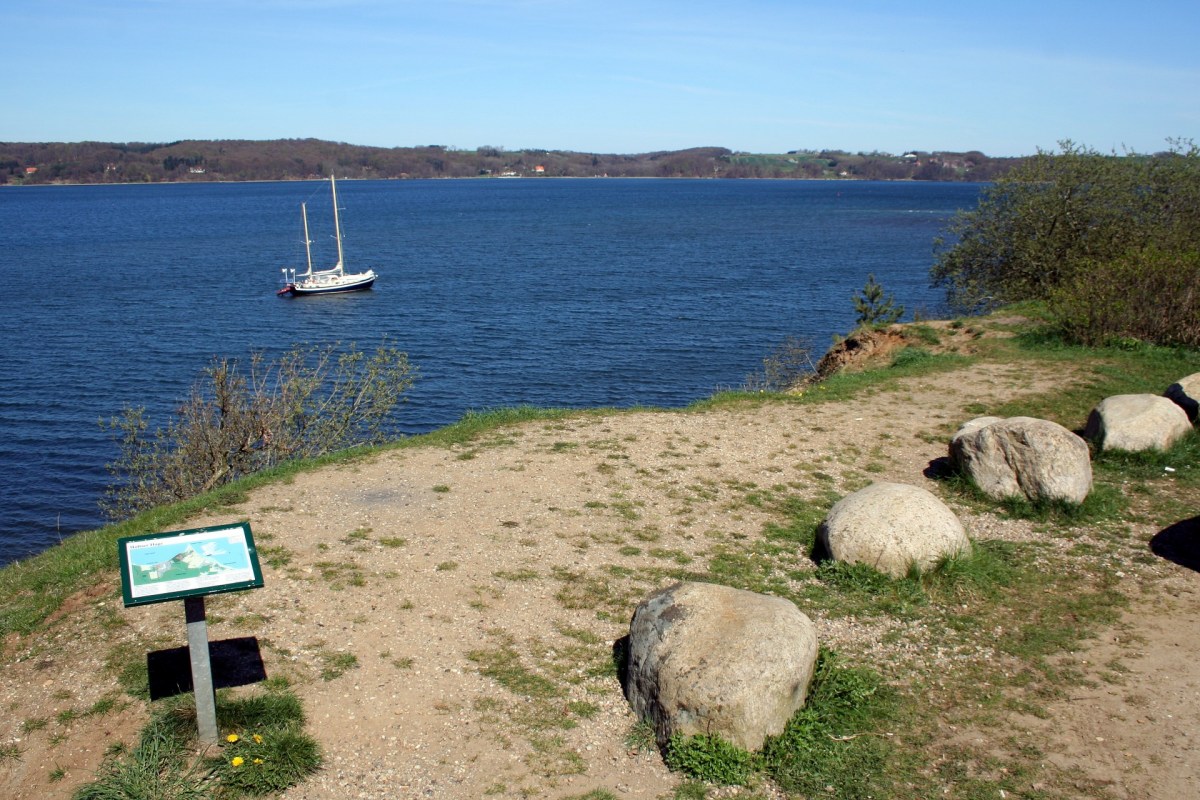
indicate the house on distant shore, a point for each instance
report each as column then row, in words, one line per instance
column 30, row 170
column 539, row 169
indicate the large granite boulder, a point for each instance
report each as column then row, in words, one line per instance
column 705, row 659
column 1023, row 457
column 892, row 527
column 1136, row 422
column 1185, row 393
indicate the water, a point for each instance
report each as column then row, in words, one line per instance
column 566, row 293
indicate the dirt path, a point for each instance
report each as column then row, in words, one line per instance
column 412, row 591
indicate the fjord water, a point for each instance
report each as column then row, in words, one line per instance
column 565, row 293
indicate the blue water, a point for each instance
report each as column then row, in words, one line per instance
column 550, row 292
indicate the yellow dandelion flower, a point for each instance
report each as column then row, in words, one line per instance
column 257, row 739
column 231, row 738
column 258, row 761
column 238, row 761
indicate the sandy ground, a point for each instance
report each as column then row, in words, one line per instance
column 532, row 548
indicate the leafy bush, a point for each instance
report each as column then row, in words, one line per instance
column 1096, row 233
column 236, row 421
column 1149, row 295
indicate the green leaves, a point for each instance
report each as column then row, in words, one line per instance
column 1075, row 227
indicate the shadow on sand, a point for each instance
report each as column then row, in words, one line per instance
column 235, row 662
column 1179, row 543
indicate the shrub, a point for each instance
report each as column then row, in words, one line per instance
column 1059, row 220
column 788, row 365
column 235, row 421
column 1149, row 295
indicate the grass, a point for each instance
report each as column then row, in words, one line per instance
column 265, row 751
column 1100, row 373
column 32, row 589
column 911, row 362
column 504, row 665
column 336, row 664
column 1180, row 463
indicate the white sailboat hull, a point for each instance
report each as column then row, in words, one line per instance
column 319, row 283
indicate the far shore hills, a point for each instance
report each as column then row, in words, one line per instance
column 200, row 161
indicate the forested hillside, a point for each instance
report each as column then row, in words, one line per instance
column 288, row 159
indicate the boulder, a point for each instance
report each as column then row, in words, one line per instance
column 705, row 658
column 1136, row 422
column 891, row 527
column 1186, row 394
column 1023, row 456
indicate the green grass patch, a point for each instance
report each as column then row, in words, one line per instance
column 1104, row 504
column 335, row 665
column 1180, row 463
column 1102, row 372
column 835, row 746
column 264, row 751
column 503, row 664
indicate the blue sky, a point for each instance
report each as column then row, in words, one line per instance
column 622, row 76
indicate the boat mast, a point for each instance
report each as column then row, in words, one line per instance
column 307, row 241
column 337, row 226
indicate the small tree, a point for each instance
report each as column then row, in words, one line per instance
column 235, row 422
column 874, row 308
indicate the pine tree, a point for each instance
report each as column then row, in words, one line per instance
column 873, row 308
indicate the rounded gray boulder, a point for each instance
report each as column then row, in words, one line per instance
column 892, row 527
column 1023, row 457
column 705, row 659
column 1136, row 422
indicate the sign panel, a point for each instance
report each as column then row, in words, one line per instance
column 165, row 566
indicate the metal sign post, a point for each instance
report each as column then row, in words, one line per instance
column 188, row 565
column 202, row 681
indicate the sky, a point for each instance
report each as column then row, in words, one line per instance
column 619, row 76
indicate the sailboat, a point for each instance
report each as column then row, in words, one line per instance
column 325, row 281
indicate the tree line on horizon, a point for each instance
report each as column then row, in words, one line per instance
column 32, row 163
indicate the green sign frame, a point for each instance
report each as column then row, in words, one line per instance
column 173, row 565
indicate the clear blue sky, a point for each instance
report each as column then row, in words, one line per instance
column 620, row 76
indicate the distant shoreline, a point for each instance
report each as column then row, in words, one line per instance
column 481, row 178
column 203, row 161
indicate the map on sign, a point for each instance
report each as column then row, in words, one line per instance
column 182, row 563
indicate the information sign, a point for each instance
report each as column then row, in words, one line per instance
column 178, row 564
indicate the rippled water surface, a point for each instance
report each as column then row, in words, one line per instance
column 548, row 292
